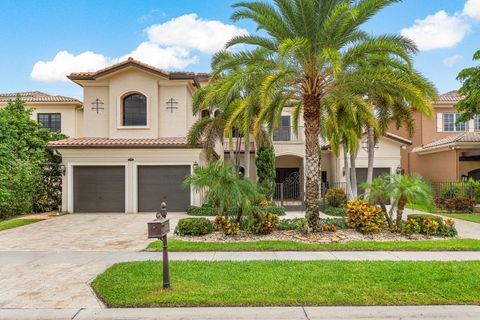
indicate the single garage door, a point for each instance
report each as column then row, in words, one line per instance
column 99, row 188
column 162, row 183
column 362, row 175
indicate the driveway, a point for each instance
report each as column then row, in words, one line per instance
column 49, row 264
column 84, row 232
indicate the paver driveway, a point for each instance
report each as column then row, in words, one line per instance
column 83, row 232
column 61, row 280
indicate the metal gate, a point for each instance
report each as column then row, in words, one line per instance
column 289, row 193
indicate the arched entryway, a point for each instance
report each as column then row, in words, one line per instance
column 289, row 189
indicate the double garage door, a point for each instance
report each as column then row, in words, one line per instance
column 102, row 188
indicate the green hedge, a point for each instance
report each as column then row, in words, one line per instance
column 194, row 227
column 205, row 210
column 335, row 211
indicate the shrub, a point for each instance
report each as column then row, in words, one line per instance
column 274, row 209
column 430, row 226
column 194, row 227
column 264, row 223
column 459, row 204
column 329, row 228
column 229, row 227
column 449, row 229
column 365, row 217
column 334, row 211
column 339, row 223
column 205, row 210
column 411, row 227
column 420, row 218
column 291, row 224
column 336, row 197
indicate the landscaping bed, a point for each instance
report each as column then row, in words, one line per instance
column 290, row 283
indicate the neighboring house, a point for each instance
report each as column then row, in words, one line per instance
column 442, row 150
column 130, row 152
column 57, row 113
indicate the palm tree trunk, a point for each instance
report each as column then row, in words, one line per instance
column 384, row 209
column 371, row 152
column 247, row 157
column 311, row 117
column 353, row 175
column 347, row 173
column 230, row 150
column 400, row 208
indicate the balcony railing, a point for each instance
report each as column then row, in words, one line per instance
column 285, row 134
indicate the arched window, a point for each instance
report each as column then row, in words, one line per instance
column 134, row 110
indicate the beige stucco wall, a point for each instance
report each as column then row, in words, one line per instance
column 386, row 156
column 464, row 167
column 77, row 157
column 161, row 122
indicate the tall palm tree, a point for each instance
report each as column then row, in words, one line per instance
column 308, row 47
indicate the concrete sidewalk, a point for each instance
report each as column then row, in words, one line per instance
column 111, row 257
column 266, row 313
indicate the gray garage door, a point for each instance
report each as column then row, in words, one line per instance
column 162, row 183
column 362, row 174
column 99, row 188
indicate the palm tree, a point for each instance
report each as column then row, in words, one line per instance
column 225, row 188
column 404, row 189
column 378, row 194
column 308, row 49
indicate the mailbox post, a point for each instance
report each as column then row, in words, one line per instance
column 159, row 229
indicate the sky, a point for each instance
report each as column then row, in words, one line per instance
column 43, row 41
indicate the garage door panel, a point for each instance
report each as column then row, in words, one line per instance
column 99, row 189
column 157, row 184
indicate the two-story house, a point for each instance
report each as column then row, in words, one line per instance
column 443, row 150
column 127, row 148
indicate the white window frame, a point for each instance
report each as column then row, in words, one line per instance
column 455, row 126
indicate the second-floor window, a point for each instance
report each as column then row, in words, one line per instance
column 477, row 123
column 50, row 121
column 449, row 122
column 134, row 110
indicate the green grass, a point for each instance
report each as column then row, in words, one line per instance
column 290, row 283
column 14, row 223
column 425, row 208
column 280, row 245
column 464, row 216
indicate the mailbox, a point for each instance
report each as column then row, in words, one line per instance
column 158, row 228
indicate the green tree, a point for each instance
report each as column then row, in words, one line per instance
column 28, row 181
column 265, row 163
column 469, row 106
column 311, row 50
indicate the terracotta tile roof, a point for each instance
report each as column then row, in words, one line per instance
column 37, row 96
column 451, row 96
column 398, row 138
column 92, row 142
column 130, row 62
column 466, row 137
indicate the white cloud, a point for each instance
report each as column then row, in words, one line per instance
column 472, row 9
column 190, row 31
column 451, row 61
column 437, row 31
column 170, row 45
column 166, row 58
column 64, row 63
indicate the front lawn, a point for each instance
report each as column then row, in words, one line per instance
column 278, row 245
column 290, row 283
column 464, row 216
column 9, row 224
